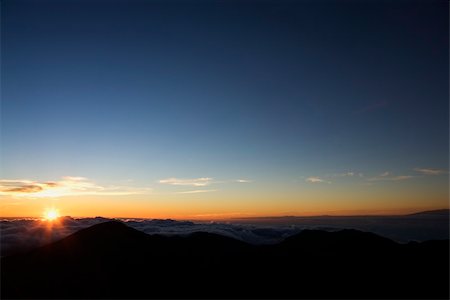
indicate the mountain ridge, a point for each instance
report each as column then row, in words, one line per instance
column 112, row 260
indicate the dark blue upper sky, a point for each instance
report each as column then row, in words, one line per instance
column 252, row 89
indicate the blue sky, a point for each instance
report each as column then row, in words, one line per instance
column 269, row 91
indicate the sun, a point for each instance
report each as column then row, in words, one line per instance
column 51, row 214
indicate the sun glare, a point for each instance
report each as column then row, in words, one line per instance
column 51, row 214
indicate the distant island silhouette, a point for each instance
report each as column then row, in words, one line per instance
column 112, row 260
column 436, row 212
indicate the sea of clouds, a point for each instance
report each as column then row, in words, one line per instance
column 18, row 235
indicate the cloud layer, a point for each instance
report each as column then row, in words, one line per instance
column 24, row 234
column 19, row 235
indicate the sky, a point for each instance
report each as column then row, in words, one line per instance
column 215, row 109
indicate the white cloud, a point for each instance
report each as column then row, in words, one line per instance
column 385, row 174
column 196, row 191
column 243, row 181
column 316, row 180
column 203, row 181
column 67, row 186
column 429, row 171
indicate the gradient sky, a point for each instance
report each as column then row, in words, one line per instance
column 209, row 109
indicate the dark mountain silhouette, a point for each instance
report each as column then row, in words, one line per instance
column 348, row 241
column 111, row 260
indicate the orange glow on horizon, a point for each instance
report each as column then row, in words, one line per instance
column 225, row 205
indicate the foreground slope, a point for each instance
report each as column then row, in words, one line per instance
column 111, row 260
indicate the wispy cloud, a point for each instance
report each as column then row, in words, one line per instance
column 314, row 179
column 401, row 177
column 67, row 186
column 243, row 180
column 345, row 174
column 386, row 177
column 196, row 191
column 203, row 181
column 430, row 171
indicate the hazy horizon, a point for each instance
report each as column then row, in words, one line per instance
column 207, row 218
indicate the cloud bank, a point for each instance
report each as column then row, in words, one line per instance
column 25, row 234
column 19, row 235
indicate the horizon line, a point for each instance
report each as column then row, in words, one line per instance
column 239, row 218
